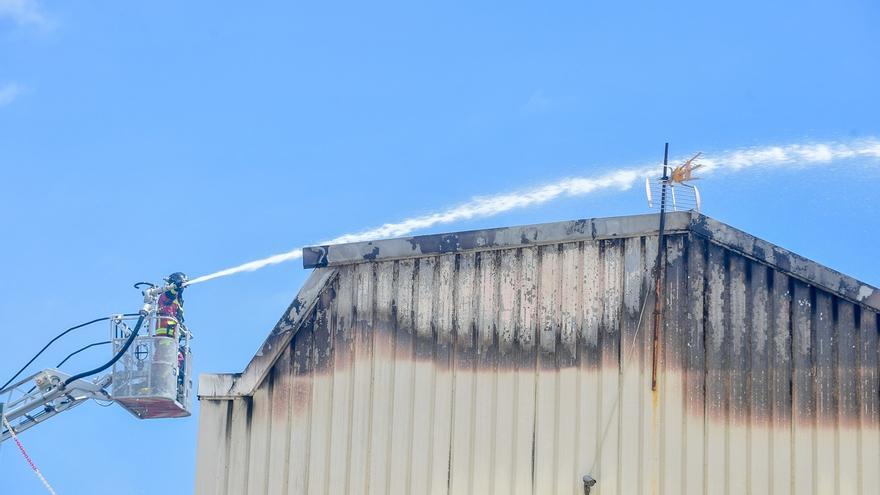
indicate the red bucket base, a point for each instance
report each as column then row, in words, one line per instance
column 153, row 407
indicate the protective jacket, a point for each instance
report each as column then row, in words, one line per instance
column 170, row 304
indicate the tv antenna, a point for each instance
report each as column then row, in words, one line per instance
column 673, row 189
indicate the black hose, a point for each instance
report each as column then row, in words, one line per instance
column 74, row 353
column 62, row 334
column 137, row 328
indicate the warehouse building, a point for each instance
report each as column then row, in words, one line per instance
column 519, row 360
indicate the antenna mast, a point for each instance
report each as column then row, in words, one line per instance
column 658, row 268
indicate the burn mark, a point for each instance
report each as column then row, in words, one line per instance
column 452, row 243
column 296, row 305
column 449, row 244
column 784, row 356
column 579, row 227
column 373, row 254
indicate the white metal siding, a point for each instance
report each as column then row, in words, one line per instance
column 519, row 370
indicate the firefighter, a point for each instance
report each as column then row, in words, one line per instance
column 171, row 304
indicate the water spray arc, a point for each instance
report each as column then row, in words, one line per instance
column 799, row 155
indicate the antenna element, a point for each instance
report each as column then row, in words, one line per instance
column 683, row 196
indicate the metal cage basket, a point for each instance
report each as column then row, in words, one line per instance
column 153, row 379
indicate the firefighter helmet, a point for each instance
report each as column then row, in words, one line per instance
column 177, row 278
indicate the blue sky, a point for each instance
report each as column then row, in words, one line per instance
column 137, row 140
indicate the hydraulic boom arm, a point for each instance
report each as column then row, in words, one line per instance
column 48, row 397
column 150, row 373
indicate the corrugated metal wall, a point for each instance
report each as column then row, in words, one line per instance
column 517, row 371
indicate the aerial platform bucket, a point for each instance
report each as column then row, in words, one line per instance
column 148, row 380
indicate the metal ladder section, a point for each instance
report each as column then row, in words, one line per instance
column 24, row 408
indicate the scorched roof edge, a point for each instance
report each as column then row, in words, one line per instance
column 485, row 239
column 722, row 234
column 325, row 258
